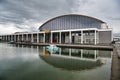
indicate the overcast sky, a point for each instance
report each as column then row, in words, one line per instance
column 28, row 15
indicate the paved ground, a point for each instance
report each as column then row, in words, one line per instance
column 118, row 49
column 115, row 70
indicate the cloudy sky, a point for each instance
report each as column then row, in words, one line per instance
column 28, row 15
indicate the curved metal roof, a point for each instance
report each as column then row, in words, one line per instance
column 98, row 20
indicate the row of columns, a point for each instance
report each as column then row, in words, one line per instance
column 16, row 37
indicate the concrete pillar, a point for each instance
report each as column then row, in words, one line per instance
column 51, row 37
column 95, row 37
column 32, row 37
column 43, row 37
column 60, row 37
column 81, row 37
column 70, row 39
column 37, row 37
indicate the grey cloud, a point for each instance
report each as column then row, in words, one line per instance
column 18, row 12
column 114, row 18
column 39, row 10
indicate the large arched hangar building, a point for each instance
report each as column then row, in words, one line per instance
column 74, row 28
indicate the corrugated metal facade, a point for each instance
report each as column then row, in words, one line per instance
column 71, row 22
column 105, row 36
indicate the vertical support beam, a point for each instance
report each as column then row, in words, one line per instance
column 32, row 37
column 43, row 37
column 51, row 37
column 95, row 38
column 70, row 39
column 98, row 37
column 60, row 37
column 81, row 37
column 37, row 37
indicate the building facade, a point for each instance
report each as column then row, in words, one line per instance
column 72, row 28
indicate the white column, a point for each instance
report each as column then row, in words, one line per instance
column 81, row 37
column 51, row 37
column 70, row 37
column 37, row 37
column 32, row 37
column 60, row 37
column 98, row 37
column 43, row 37
column 95, row 37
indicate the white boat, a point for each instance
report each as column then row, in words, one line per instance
column 52, row 48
